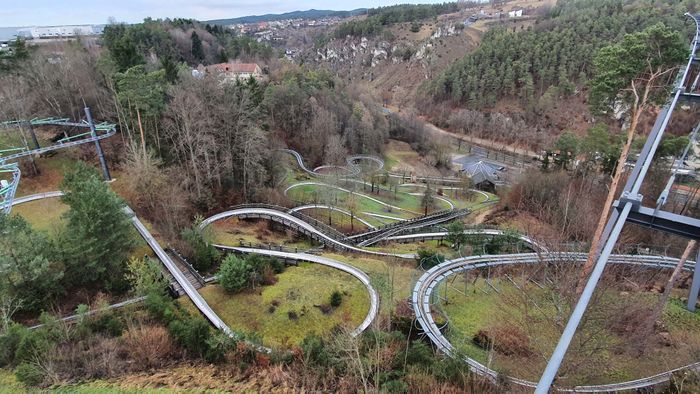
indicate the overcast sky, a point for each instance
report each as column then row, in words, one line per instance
column 66, row 12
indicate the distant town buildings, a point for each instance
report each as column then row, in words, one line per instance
column 274, row 30
column 496, row 15
column 230, row 71
column 68, row 31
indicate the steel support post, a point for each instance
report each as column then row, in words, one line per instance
column 33, row 135
column 100, row 154
column 560, row 351
column 695, row 287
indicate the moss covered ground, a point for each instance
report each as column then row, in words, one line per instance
column 265, row 310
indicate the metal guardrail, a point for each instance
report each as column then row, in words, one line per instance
column 299, row 225
column 373, row 236
column 92, row 312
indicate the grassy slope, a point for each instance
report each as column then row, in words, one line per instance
column 482, row 308
column 392, row 279
column 298, row 289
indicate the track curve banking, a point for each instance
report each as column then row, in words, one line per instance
column 351, row 168
column 422, row 305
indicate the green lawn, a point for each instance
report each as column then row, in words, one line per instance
column 392, row 279
column 43, row 214
column 298, row 289
column 338, row 220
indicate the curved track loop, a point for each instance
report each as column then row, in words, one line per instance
column 200, row 302
column 332, row 208
column 359, row 275
column 342, row 189
column 421, row 301
column 351, row 168
column 295, row 223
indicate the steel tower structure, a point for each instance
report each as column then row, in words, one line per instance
column 94, row 133
column 628, row 208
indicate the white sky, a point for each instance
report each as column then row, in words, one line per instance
column 65, row 12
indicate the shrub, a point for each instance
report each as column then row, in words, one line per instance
column 429, row 258
column 402, row 318
column 218, row 345
column 508, row 340
column 418, row 353
column 148, row 346
column 160, row 307
column 482, row 340
column 292, row 315
column 33, row 344
column 452, row 370
column 394, row 386
column 314, row 351
column 259, row 263
column 203, row 254
column 29, row 374
column 9, row 342
column 336, row 299
column 108, row 323
column 192, row 334
column 234, row 274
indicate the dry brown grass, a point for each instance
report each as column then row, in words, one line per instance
column 149, row 346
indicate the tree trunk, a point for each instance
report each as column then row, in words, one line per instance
column 143, row 138
column 656, row 314
column 595, row 243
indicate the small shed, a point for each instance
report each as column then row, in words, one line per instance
column 484, row 175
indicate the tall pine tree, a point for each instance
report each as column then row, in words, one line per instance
column 197, row 50
column 98, row 237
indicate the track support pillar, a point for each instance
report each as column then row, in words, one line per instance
column 100, row 154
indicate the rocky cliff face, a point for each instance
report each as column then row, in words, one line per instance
column 372, row 52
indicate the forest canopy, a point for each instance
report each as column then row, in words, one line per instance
column 556, row 52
